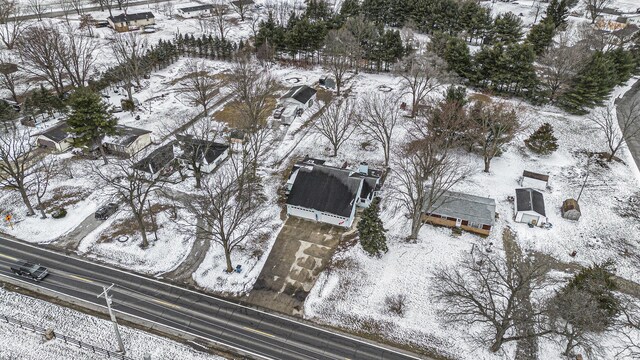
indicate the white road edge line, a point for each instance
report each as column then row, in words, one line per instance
column 218, row 299
column 141, row 318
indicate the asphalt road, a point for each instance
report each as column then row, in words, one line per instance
column 264, row 335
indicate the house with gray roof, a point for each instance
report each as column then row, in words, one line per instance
column 472, row 213
column 126, row 22
column 127, row 141
column 328, row 194
column 160, row 162
column 530, row 207
column 206, row 155
column 56, row 138
column 296, row 101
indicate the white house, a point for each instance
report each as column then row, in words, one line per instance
column 530, row 207
column 329, row 194
column 196, row 11
column 295, row 101
column 127, row 141
column 534, row 180
column 56, row 138
column 126, row 22
column 208, row 155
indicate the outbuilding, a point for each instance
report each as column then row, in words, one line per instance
column 530, row 207
column 296, row 101
column 127, row 141
column 197, row 11
column 534, row 180
column 472, row 213
column 55, row 138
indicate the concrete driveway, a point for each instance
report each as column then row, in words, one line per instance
column 301, row 251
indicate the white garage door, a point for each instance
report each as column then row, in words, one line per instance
column 530, row 219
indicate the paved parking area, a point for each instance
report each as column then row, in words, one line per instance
column 302, row 250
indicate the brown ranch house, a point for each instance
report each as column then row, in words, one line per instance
column 475, row 214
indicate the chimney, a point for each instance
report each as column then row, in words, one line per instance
column 363, row 168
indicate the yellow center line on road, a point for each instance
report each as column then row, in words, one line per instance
column 8, row 257
column 81, row 279
column 166, row 303
column 258, row 332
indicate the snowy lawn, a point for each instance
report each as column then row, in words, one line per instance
column 16, row 343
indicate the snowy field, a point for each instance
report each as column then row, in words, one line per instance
column 16, row 343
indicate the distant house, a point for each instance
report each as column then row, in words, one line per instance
column 208, row 154
column 160, row 162
column 534, row 180
column 127, row 141
column 126, row 22
column 55, row 138
column 468, row 212
column 295, row 101
column 328, row 194
column 530, row 207
column 196, row 11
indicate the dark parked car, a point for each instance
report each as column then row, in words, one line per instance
column 105, row 211
column 27, row 269
column 278, row 113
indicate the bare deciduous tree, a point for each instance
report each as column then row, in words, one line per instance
column 42, row 175
column 559, row 65
column 129, row 50
column 421, row 75
column 337, row 123
column 11, row 76
column 484, row 290
column 338, row 54
column 595, row 8
column 493, row 126
column 78, row 55
column 576, row 315
column 17, row 156
column 629, row 329
column 133, row 186
column 229, row 206
column 11, row 25
column 39, row 48
column 241, row 7
column 219, row 21
column 379, row 115
column 254, row 88
column 620, row 127
column 199, row 86
column 37, row 7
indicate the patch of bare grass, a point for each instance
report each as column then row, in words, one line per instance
column 66, row 196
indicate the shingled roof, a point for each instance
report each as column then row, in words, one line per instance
column 530, row 200
column 325, row 189
column 157, row 160
column 131, row 17
column 57, row 132
column 475, row 209
column 125, row 135
column 301, row 93
column 209, row 150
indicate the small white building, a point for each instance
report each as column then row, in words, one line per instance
column 534, row 180
column 328, row 194
column 127, row 22
column 196, row 11
column 55, row 138
column 296, row 101
column 530, row 207
column 127, row 141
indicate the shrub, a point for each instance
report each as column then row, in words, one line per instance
column 59, row 213
column 396, row 304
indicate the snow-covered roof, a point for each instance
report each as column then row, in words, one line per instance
column 125, row 135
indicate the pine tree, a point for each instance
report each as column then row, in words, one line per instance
column 458, row 56
column 541, row 35
column 371, row 230
column 507, row 28
column 542, row 140
column 90, row 120
column 557, row 12
column 591, row 86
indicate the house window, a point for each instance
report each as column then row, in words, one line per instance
column 465, row 222
column 486, row 227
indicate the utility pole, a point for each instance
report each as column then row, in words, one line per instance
column 105, row 293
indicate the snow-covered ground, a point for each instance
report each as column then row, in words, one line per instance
column 17, row 343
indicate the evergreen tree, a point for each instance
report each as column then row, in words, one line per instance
column 7, row 115
column 542, row 140
column 541, row 35
column 591, row 86
column 507, row 28
column 43, row 101
column 90, row 120
column 349, row 8
column 458, row 56
column 557, row 12
column 597, row 281
column 371, row 230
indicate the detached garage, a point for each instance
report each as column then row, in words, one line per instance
column 530, row 207
column 56, row 138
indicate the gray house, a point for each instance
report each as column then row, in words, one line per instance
column 328, row 194
column 468, row 212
